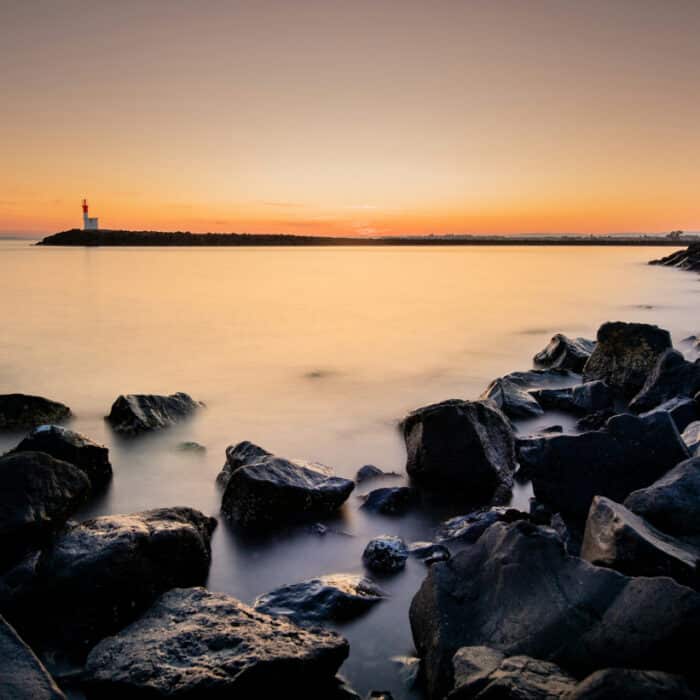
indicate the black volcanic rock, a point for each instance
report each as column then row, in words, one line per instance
column 72, row 447
column 332, row 597
column 22, row 675
column 517, row 591
column 617, row 538
column 625, row 355
column 460, row 446
column 385, row 554
column 21, row 411
column 684, row 411
column 269, row 491
column 37, row 495
column 671, row 377
column 196, row 644
column 468, row 528
column 137, row 413
column 632, row 684
column 236, row 456
column 565, row 353
column 581, row 399
column 100, row 574
column 629, row 454
column 390, row 501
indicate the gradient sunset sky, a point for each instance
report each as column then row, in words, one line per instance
column 356, row 117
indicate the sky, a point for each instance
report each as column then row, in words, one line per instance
column 362, row 117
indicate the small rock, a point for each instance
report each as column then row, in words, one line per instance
column 468, row 528
column 369, row 471
column 422, row 550
column 137, row 413
column 22, row 411
column 390, row 501
column 595, row 420
column 691, row 437
column 437, row 557
column 565, row 353
column 409, row 669
column 191, row 446
column 337, row 597
column 385, row 554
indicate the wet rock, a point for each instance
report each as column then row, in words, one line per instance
column 423, row 550
column 369, row 472
column 22, row 675
column 684, row 411
column 617, row 538
column 579, row 400
column 37, row 495
column 517, row 591
column 22, row 411
column 565, row 353
column 385, row 554
column 630, row 453
column 468, row 528
column 138, row 413
column 69, row 446
column 513, row 400
column 236, row 456
column 595, row 420
column 212, row 645
column 672, row 503
column 390, row 501
column 268, row 491
column 437, row 557
column 98, row 575
column 485, row 674
column 465, row 447
column 631, row 684
column 625, row 354
column 671, row 377
column 691, row 437
column 337, row 597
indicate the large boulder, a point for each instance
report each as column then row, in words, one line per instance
column 98, row 575
column 138, row 413
column 630, row 453
column 22, row 411
column 268, row 491
column 236, row 456
column 337, row 597
column 516, row 590
column 511, row 393
column 632, row 684
column 465, row 447
column 37, row 495
column 579, row 400
column 69, row 446
column 683, row 410
column 486, row 674
column 672, row 503
column 565, row 353
column 617, row 538
column 22, row 675
column 625, row 354
column 194, row 644
column 671, row 377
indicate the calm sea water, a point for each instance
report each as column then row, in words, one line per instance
column 311, row 352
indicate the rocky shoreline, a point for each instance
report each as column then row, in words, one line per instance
column 592, row 593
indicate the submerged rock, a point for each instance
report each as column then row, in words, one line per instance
column 191, row 446
column 625, row 354
column 631, row 453
column 617, row 538
column 194, row 643
column 517, row 591
column 336, row 597
column 684, row 411
column 138, row 413
column 632, row 684
column 37, row 495
column 565, row 353
column 672, row 503
column 465, row 447
column 512, row 399
column 22, row 675
column 98, row 575
column 72, row 447
column 22, row 411
column 579, row 400
column 385, row 554
column 671, row 377
column 390, row 501
column 269, row 491
column 236, row 456
column 369, row 472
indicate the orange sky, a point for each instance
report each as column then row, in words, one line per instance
column 366, row 117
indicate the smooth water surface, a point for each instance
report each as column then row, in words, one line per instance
column 313, row 353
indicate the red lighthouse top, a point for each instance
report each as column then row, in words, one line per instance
column 85, row 206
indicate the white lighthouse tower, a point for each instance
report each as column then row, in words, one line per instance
column 89, row 223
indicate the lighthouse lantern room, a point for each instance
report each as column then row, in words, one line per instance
column 89, row 223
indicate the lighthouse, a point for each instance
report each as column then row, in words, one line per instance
column 89, row 223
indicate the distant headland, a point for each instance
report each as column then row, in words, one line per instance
column 104, row 237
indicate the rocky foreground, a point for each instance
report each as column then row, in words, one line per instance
column 593, row 593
